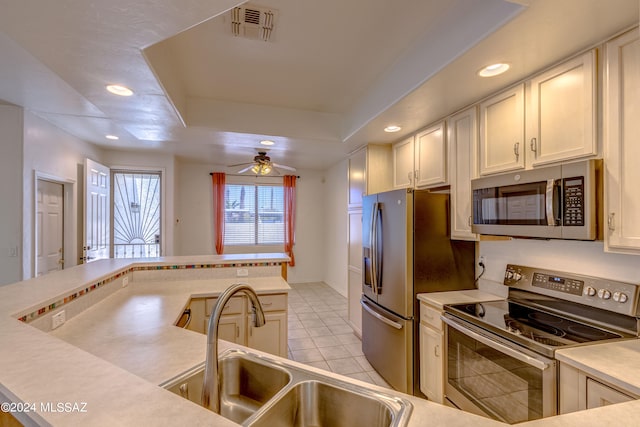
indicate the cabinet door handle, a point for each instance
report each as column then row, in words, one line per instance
column 469, row 221
column 416, row 174
column 534, row 145
column 611, row 221
column 237, row 331
column 436, row 351
column 516, row 150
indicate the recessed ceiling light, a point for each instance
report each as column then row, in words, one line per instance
column 493, row 70
column 112, row 137
column 267, row 142
column 119, row 90
column 392, row 128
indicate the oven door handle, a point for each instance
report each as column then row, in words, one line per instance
column 511, row 352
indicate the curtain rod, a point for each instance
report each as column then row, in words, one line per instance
column 256, row 176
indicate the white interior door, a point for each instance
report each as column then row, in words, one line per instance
column 96, row 211
column 49, row 227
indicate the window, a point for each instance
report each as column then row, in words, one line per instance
column 254, row 215
column 136, row 214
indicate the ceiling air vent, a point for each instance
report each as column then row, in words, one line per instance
column 253, row 22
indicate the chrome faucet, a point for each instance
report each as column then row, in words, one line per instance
column 211, row 385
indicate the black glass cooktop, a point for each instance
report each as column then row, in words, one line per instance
column 530, row 326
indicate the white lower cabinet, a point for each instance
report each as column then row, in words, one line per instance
column 579, row 391
column 431, row 353
column 236, row 324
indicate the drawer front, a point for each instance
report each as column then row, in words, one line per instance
column 273, row 302
column 430, row 316
column 234, row 306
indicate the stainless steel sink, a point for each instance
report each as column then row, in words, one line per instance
column 315, row 403
column 260, row 391
column 246, row 384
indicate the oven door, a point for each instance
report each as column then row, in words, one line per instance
column 494, row 377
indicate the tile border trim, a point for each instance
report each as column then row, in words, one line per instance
column 29, row 317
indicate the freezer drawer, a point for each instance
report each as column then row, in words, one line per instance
column 387, row 343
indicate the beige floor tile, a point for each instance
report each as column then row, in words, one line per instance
column 344, row 366
column 307, row 355
column 334, row 352
column 301, row 343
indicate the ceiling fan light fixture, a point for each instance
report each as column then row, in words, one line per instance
column 261, row 169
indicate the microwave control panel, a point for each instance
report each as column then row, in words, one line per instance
column 574, row 201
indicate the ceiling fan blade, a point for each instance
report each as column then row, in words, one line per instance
column 240, row 164
column 289, row 168
column 245, row 169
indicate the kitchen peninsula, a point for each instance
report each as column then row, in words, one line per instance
column 119, row 343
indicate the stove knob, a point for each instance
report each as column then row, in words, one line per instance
column 517, row 276
column 620, row 297
column 604, row 293
column 508, row 274
column 590, row 291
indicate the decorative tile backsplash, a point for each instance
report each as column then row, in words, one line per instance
column 84, row 291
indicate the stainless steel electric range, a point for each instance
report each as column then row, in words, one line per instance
column 500, row 354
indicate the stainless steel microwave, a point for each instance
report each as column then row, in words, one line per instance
column 553, row 202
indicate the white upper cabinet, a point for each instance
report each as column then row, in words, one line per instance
column 369, row 172
column 420, row 161
column 403, row 169
column 622, row 144
column 462, row 131
column 502, row 132
column 431, row 157
column 561, row 118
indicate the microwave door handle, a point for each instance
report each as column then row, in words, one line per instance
column 511, row 352
column 550, row 200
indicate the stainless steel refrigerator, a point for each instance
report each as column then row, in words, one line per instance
column 406, row 250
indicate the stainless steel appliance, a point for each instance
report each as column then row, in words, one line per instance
column 554, row 202
column 407, row 250
column 500, row 354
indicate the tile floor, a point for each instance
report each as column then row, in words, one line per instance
column 320, row 336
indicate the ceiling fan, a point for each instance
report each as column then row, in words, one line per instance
column 262, row 165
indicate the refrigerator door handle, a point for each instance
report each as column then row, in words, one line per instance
column 380, row 316
column 374, row 249
column 376, row 256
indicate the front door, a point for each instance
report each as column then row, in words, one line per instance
column 96, row 211
column 49, row 227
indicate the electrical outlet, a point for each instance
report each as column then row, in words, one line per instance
column 125, row 281
column 58, row 319
column 242, row 272
column 481, row 260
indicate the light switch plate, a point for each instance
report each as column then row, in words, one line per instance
column 125, row 281
column 58, row 319
column 242, row 272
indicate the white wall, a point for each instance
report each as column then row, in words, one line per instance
column 194, row 219
column 53, row 152
column 336, row 227
column 11, row 124
column 586, row 258
column 149, row 161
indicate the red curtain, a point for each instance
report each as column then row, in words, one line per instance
column 218, row 209
column 289, row 216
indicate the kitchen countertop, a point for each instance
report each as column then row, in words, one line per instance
column 617, row 363
column 114, row 364
column 440, row 299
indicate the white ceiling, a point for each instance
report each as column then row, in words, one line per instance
column 335, row 73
